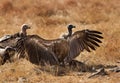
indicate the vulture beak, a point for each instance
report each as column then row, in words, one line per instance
column 71, row 26
column 74, row 26
column 25, row 26
column 29, row 27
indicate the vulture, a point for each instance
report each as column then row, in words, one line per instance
column 61, row 50
column 10, row 40
column 69, row 33
column 23, row 32
column 6, row 53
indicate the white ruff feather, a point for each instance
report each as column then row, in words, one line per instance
column 2, row 51
column 63, row 35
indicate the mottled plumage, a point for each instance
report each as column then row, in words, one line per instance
column 65, row 50
column 6, row 53
column 10, row 40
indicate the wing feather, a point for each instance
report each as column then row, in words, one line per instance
column 93, row 42
column 84, row 39
column 95, row 39
column 37, row 52
column 95, row 35
column 94, row 31
column 90, row 45
column 86, row 46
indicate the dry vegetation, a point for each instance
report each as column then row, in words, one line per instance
column 49, row 19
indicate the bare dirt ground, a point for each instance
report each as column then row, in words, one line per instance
column 49, row 18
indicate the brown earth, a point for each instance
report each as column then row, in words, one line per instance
column 49, row 18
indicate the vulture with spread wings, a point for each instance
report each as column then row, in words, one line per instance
column 61, row 49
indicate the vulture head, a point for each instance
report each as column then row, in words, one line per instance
column 70, row 26
column 24, row 27
column 70, row 29
column 69, row 33
column 6, row 53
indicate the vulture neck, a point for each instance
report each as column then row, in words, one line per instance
column 69, row 32
column 2, row 52
column 23, row 31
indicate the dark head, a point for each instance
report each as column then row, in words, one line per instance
column 10, row 50
column 71, row 26
column 70, row 29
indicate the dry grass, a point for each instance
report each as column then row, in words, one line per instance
column 29, row 73
column 49, row 19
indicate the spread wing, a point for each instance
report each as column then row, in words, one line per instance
column 83, row 40
column 37, row 53
column 5, row 38
column 8, row 40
